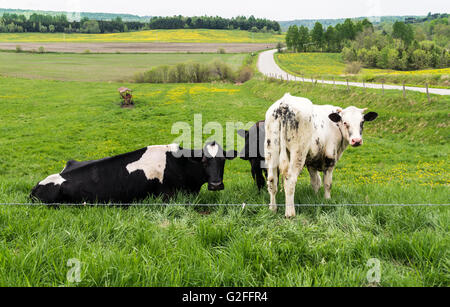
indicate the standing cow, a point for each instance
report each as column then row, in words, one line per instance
column 299, row 133
column 155, row 170
column 254, row 152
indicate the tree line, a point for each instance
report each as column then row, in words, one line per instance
column 48, row 23
column 331, row 39
column 400, row 49
column 207, row 22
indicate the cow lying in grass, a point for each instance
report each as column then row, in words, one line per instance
column 152, row 171
column 297, row 133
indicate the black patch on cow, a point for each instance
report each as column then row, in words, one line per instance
column 320, row 163
column 287, row 117
column 329, row 162
column 335, row 117
column 371, row 116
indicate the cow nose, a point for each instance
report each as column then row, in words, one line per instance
column 356, row 142
column 216, row 186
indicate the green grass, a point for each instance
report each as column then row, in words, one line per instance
column 165, row 36
column 331, row 65
column 97, row 67
column 404, row 161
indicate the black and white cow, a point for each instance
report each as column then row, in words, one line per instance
column 299, row 133
column 152, row 171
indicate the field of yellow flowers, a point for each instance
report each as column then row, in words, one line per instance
column 165, row 36
column 329, row 65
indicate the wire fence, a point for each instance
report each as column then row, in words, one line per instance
column 348, row 84
column 222, row 205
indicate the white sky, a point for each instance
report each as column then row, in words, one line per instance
column 273, row 9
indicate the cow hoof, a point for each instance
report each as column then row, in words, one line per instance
column 290, row 215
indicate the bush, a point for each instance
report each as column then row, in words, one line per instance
column 348, row 54
column 18, row 49
column 420, row 59
column 245, row 74
column 221, row 51
column 353, row 68
column 192, row 73
column 280, row 47
column 41, row 50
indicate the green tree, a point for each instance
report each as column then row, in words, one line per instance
column 90, row 26
column 292, row 37
column 303, row 38
column 317, row 35
column 403, row 31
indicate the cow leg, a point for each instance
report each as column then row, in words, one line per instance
column 260, row 181
column 328, row 182
column 296, row 166
column 316, row 182
column 272, row 185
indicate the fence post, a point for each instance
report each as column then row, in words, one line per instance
column 334, row 82
column 303, row 77
column 428, row 93
column 348, row 86
column 382, row 86
column 404, row 90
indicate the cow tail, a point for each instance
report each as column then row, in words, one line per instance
column 284, row 159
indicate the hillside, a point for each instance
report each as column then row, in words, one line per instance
column 309, row 23
column 75, row 16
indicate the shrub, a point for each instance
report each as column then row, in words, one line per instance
column 87, row 51
column 280, row 47
column 353, row 68
column 420, row 59
column 41, row 50
column 221, row 51
column 348, row 54
column 18, row 49
column 245, row 74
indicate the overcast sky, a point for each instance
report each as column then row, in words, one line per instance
column 273, row 9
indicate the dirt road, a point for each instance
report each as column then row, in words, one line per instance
column 138, row 47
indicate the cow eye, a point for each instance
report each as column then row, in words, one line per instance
column 346, row 124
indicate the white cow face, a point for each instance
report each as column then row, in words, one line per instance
column 351, row 122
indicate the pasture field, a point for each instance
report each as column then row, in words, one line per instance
column 404, row 161
column 329, row 65
column 97, row 67
column 166, row 36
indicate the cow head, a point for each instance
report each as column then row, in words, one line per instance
column 254, row 142
column 351, row 122
column 213, row 161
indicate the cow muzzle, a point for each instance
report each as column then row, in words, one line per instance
column 219, row 186
column 356, row 142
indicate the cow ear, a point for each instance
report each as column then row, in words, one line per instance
column 231, row 154
column 242, row 133
column 335, row 117
column 371, row 116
